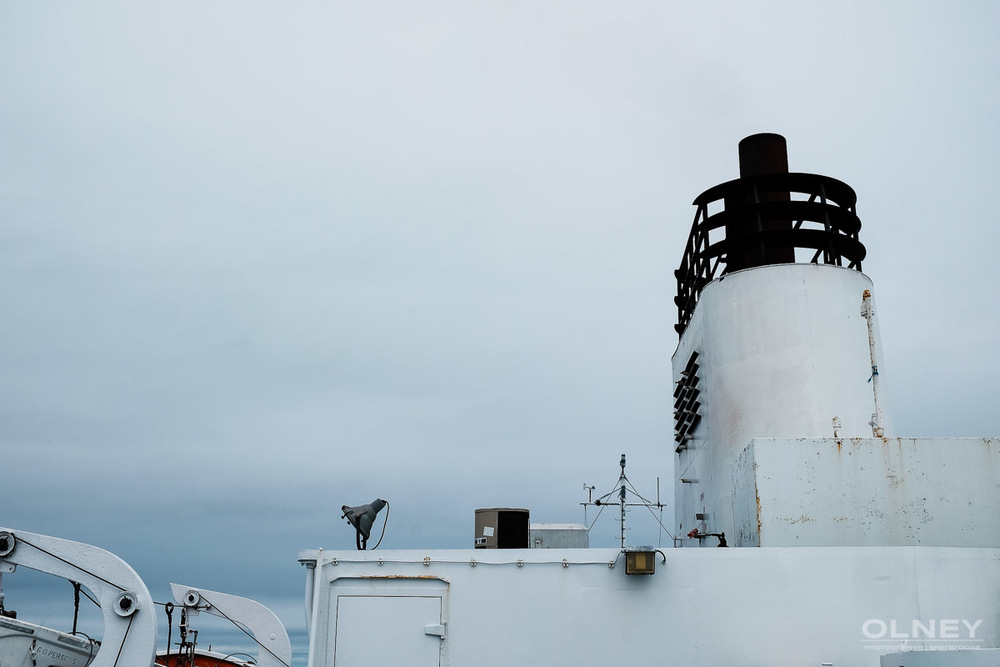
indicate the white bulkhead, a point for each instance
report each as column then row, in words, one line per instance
column 770, row 606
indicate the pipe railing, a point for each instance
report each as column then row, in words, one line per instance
column 762, row 223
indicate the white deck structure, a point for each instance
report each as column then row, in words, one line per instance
column 847, row 543
column 752, row 606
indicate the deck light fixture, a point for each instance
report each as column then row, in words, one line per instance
column 362, row 518
column 641, row 560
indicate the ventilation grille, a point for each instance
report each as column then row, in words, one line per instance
column 686, row 404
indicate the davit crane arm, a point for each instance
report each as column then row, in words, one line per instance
column 251, row 616
column 129, row 620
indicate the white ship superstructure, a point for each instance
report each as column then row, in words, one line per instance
column 847, row 545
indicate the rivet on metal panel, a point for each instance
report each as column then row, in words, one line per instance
column 472, row 562
column 333, row 562
column 565, row 563
column 427, row 561
column 380, row 562
column 520, row 562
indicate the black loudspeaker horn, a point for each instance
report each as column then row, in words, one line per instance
column 362, row 518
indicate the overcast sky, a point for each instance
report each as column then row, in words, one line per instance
column 260, row 260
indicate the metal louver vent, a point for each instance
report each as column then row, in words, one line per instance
column 686, row 404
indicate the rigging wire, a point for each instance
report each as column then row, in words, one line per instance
column 648, row 504
column 71, row 564
column 121, row 646
column 603, row 505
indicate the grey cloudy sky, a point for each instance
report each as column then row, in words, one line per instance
column 259, row 260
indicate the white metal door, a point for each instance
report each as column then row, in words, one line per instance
column 386, row 631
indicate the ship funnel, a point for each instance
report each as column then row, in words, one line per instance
column 778, row 335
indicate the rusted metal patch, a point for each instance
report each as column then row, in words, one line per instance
column 756, row 493
column 397, row 577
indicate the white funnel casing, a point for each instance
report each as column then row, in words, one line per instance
column 783, row 352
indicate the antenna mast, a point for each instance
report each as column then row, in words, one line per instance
column 622, row 486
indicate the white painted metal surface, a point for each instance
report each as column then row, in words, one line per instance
column 868, row 491
column 783, row 350
column 559, row 536
column 400, row 636
column 765, row 606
